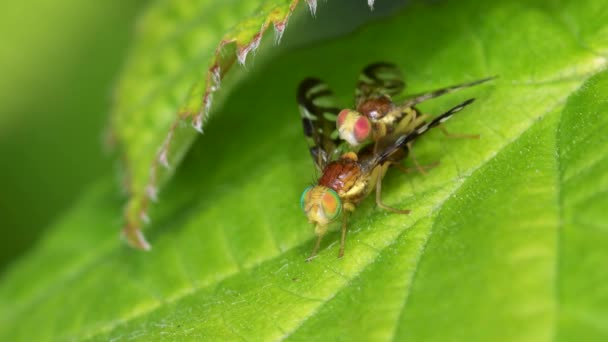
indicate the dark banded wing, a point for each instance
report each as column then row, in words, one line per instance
column 418, row 98
column 319, row 112
column 377, row 80
column 403, row 140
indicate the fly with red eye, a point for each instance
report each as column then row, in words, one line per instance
column 347, row 176
column 377, row 115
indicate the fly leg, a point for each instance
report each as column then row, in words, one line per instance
column 382, row 205
column 320, row 232
column 315, row 249
column 348, row 207
column 420, row 168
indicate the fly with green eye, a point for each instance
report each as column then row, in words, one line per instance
column 346, row 177
column 376, row 116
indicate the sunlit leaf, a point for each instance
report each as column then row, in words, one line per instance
column 506, row 239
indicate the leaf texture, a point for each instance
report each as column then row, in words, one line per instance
column 506, row 239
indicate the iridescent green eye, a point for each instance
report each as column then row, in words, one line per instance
column 331, row 203
column 304, row 196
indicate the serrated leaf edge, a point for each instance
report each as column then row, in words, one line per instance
column 136, row 210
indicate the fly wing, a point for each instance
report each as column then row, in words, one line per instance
column 385, row 155
column 319, row 112
column 418, row 98
column 378, row 80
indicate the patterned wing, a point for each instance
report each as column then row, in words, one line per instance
column 377, row 80
column 319, row 112
column 418, row 98
column 403, row 140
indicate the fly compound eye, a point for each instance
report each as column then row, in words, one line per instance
column 362, row 129
column 342, row 116
column 353, row 127
column 305, row 197
column 331, row 204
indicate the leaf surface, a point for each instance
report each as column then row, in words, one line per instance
column 506, row 239
column 183, row 51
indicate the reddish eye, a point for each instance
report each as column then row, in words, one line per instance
column 342, row 117
column 362, row 129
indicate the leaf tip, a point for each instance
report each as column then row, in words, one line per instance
column 279, row 29
column 152, row 192
column 312, row 5
column 144, row 217
column 242, row 54
column 217, row 76
column 135, row 238
column 163, row 158
column 197, row 123
column 253, row 45
column 208, row 100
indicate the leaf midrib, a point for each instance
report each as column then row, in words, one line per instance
column 559, row 178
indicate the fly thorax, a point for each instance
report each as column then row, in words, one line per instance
column 340, row 175
column 375, row 108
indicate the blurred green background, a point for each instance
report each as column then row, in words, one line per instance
column 58, row 61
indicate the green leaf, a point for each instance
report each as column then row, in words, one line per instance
column 27, row 127
column 506, row 238
column 183, row 52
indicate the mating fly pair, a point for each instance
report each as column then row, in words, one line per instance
column 353, row 149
